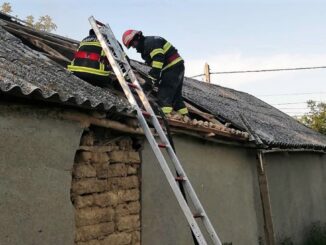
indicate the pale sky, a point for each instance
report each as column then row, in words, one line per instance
column 229, row 35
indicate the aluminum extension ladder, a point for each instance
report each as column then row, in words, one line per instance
column 122, row 70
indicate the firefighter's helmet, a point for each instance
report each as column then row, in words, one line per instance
column 128, row 36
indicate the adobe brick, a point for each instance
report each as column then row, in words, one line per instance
column 93, row 215
column 84, row 201
column 106, row 199
column 123, row 183
column 128, row 195
column 92, row 242
column 117, row 170
column 101, row 170
column 125, row 156
column 89, row 185
column 135, row 237
column 100, row 157
column 84, row 171
column 91, row 232
column 127, row 209
column 132, row 170
column 133, row 157
column 117, row 239
column 128, row 223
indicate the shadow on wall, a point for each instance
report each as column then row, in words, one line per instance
column 315, row 235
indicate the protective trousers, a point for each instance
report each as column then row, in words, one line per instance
column 170, row 90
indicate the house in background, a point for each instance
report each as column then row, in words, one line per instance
column 75, row 169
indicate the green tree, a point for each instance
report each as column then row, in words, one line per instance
column 316, row 117
column 45, row 23
column 6, row 8
column 30, row 20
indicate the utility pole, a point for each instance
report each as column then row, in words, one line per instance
column 207, row 73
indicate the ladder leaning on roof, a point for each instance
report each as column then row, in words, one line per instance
column 122, row 70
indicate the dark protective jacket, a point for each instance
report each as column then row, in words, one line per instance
column 90, row 58
column 159, row 54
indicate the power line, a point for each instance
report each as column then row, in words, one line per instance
column 264, row 70
column 296, row 114
column 265, row 95
column 293, row 103
column 280, row 108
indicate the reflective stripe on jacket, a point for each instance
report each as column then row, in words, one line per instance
column 159, row 54
column 90, row 58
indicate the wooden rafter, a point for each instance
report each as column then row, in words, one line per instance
column 206, row 116
column 208, row 131
column 25, row 35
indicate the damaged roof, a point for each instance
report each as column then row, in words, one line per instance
column 28, row 73
column 265, row 122
column 272, row 126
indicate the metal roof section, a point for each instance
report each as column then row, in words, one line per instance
column 28, row 73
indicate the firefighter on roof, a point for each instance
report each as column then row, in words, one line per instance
column 167, row 70
column 90, row 62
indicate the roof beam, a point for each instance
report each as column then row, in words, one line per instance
column 208, row 131
column 206, row 116
column 41, row 34
column 28, row 36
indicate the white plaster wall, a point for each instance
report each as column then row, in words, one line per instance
column 225, row 180
column 297, row 183
column 37, row 153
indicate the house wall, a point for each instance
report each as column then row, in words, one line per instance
column 37, row 153
column 297, row 183
column 225, row 179
column 106, row 189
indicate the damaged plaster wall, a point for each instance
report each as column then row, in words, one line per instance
column 225, row 179
column 37, row 155
column 297, row 184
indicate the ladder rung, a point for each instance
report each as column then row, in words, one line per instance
column 162, row 145
column 132, row 85
column 146, row 114
column 180, row 178
column 99, row 23
column 121, row 61
column 198, row 216
column 115, row 58
column 126, row 73
column 110, row 46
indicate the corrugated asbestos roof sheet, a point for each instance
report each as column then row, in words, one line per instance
column 272, row 126
column 26, row 72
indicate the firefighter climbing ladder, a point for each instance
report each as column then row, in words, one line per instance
column 123, row 70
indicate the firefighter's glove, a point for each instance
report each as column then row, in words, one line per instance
column 154, row 74
column 148, row 86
